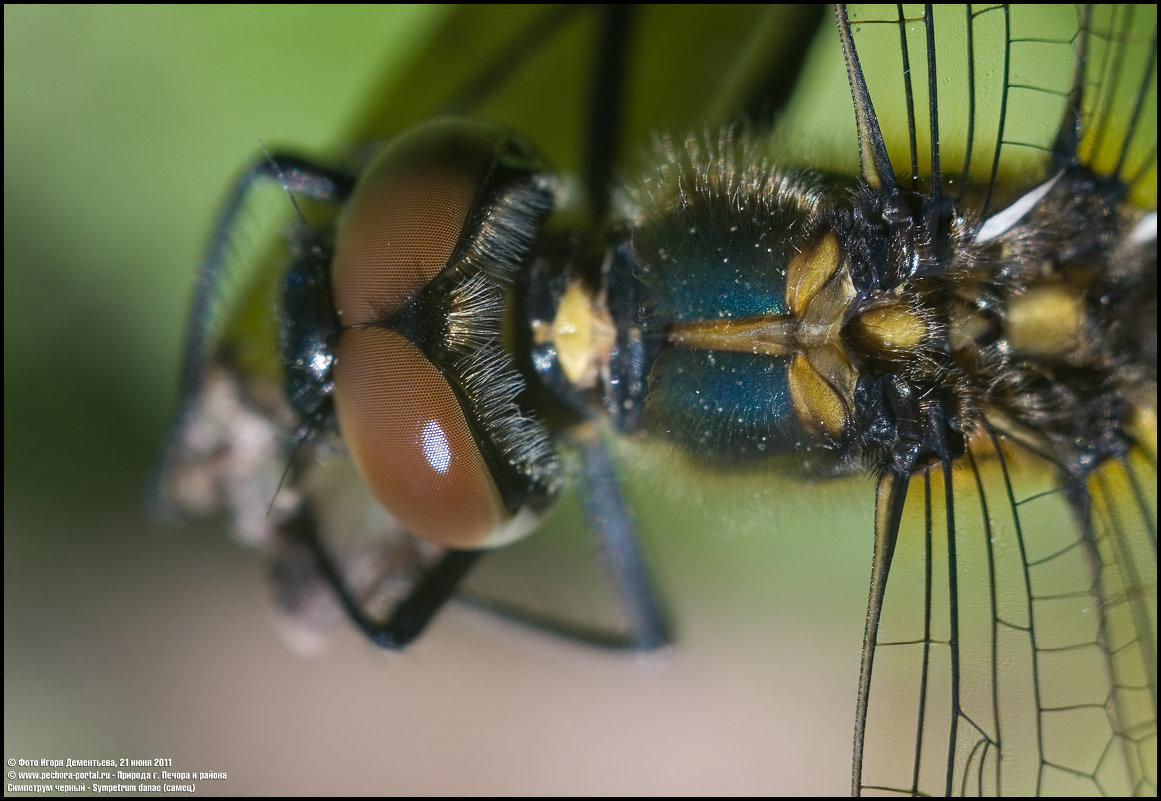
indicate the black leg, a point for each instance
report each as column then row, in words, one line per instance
column 296, row 176
column 409, row 616
column 606, row 101
column 644, row 625
column 619, row 550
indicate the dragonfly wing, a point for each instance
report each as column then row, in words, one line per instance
column 1011, row 632
column 1015, row 651
column 1118, row 119
column 949, row 123
column 1121, row 538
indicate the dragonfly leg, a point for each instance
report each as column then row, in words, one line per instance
column 606, row 101
column 297, row 176
column 646, row 626
column 409, row 616
column 619, row 549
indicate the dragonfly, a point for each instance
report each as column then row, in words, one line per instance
column 958, row 299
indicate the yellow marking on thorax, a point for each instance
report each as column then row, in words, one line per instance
column 582, row 333
column 890, row 329
column 1045, row 320
column 815, row 401
column 809, row 271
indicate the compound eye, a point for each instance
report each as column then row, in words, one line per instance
column 411, row 442
column 406, row 217
column 410, row 423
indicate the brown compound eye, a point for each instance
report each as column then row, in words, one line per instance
column 412, row 444
column 405, row 426
column 405, row 219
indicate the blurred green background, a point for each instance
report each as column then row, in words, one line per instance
column 122, row 128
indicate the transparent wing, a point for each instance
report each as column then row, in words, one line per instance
column 1122, row 525
column 1005, row 81
column 1011, row 632
column 969, row 98
column 1119, row 109
column 1016, row 651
